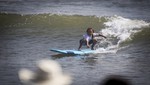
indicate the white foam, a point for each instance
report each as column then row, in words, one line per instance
column 121, row 29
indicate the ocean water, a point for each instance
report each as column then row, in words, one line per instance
column 29, row 28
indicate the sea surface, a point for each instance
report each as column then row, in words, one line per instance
column 30, row 28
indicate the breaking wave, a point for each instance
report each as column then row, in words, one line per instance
column 117, row 28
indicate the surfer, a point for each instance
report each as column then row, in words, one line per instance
column 89, row 39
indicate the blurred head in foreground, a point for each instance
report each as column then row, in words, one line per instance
column 115, row 80
column 49, row 72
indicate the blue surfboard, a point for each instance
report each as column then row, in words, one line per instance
column 75, row 52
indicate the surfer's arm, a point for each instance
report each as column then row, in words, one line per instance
column 102, row 36
column 98, row 34
column 86, row 38
column 87, row 43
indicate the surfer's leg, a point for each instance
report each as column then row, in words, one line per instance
column 81, row 43
column 94, row 41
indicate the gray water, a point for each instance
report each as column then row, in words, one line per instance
column 137, row 9
column 22, row 43
column 22, row 49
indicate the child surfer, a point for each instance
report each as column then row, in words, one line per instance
column 89, row 38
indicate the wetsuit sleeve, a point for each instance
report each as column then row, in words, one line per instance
column 86, row 37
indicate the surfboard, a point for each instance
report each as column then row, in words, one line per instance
column 75, row 52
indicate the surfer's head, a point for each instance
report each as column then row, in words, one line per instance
column 90, row 31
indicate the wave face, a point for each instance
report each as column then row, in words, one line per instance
column 49, row 20
column 119, row 30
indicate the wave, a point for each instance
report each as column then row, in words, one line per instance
column 118, row 29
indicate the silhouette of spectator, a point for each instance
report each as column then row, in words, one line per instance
column 49, row 72
column 115, row 80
